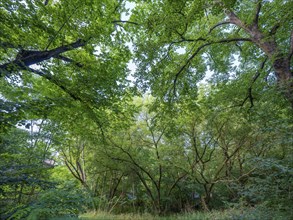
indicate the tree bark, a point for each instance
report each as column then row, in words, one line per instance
column 268, row 44
column 25, row 58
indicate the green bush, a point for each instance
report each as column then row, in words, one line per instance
column 58, row 202
column 270, row 185
column 52, row 203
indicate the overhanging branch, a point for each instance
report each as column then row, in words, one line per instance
column 69, row 60
column 122, row 21
column 218, row 25
column 198, row 50
column 56, row 82
column 249, row 90
column 25, row 58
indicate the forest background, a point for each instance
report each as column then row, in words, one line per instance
column 146, row 107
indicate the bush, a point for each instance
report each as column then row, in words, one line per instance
column 58, row 202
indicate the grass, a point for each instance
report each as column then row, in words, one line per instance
column 214, row 215
column 229, row 214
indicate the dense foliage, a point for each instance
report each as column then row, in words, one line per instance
column 204, row 122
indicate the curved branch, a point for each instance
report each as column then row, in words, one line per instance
column 134, row 162
column 122, row 21
column 255, row 77
column 199, row 49
column 54, row 81
column 219, row 24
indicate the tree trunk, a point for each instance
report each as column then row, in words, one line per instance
column 267, row 43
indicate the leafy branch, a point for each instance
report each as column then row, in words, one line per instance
column 25, row 58
column 198, row 50
column 256, row 76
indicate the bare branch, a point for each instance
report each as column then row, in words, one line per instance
column 72, row 170
column 117, row 6
column 175, row 183
column 274, row 29
column 262, row 65
column 250, row 97
column 62, row 49
column 70, row 166
column 61, row 27
column 133, row 161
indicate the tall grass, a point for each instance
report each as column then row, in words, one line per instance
column 258, row 213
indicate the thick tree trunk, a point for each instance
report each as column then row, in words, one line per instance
column 285, row 77
column 268, row 44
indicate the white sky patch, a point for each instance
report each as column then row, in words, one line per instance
column 208, row 75
column 32, row 126
column 236, row 62
column 132, row 68
column 126, row 15
column 180, row 50
column 97, row 51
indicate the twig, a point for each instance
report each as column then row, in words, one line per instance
column 59, row 30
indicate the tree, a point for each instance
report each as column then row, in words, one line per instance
column 25, row 166
column 187, row 146
column 61, row 53
column 179, row 41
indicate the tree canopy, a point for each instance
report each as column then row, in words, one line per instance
column 203, row 121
